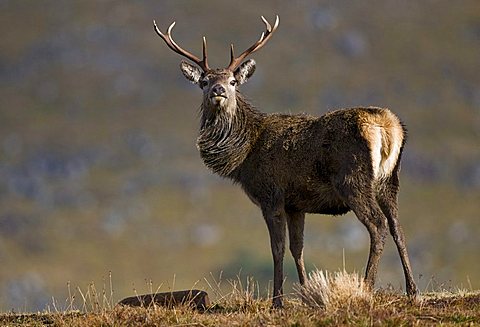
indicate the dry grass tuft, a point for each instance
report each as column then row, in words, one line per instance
column 243, row 295
column 340, row 291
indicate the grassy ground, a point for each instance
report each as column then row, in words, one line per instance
column 386, row 309
column 242, row 307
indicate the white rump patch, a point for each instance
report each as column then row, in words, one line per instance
column 384, row 133
column 385, row 148
column 376, row 150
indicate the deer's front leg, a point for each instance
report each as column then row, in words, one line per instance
column 296, row 225
column 276, row 223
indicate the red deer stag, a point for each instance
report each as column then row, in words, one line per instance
column 289, row 165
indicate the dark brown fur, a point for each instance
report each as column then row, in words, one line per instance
column 290, row 165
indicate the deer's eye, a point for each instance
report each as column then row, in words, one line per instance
column 233, row 82
column 203, row 83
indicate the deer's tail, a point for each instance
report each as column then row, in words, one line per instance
column 385, row 135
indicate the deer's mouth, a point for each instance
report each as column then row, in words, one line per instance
column 218, row 99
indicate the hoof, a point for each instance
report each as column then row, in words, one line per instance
column 277, row 303
column 412, row 293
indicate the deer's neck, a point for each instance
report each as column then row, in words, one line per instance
column 226, row 138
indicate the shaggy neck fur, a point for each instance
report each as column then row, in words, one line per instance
column 228, row 135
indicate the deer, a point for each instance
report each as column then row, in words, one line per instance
column 293, row 164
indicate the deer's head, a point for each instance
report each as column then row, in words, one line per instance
column 219, row 85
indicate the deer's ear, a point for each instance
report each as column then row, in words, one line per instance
column 244, row 71
column 191, row 72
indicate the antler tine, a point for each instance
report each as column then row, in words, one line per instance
column 269, row 27
column 232, row 54
column 176, row 48
column 204, row 53
column 235, row 62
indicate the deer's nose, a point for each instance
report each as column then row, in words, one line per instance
column 218, row 89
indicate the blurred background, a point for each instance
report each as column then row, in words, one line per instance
column 99, row 171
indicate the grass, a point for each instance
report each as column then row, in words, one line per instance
column 332, row 292
column 326, row 300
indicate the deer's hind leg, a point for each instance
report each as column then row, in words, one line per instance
column 388, row 201
column 365, row 206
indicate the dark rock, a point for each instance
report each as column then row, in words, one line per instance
column 195, row 298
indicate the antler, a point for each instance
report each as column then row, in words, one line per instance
column 235, row 62
column 175, row 47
